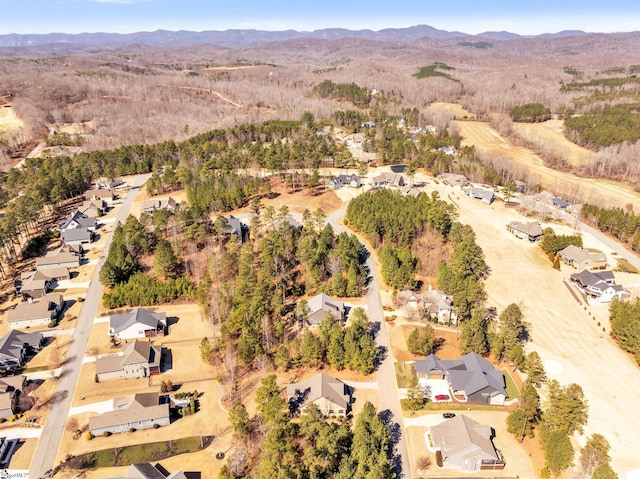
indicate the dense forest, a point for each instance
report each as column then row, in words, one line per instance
column 622, row 224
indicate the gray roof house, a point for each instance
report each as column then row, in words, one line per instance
column 321, row 305
column 465, row 444
column 16, row 347
column 139, row 359
column 138, row 411
column 432, row 303
column 159, row 204
column 581, row 258
column 146, row 470
column 330, row 395
column 345, row 180
column 559, row 203
column 36, row 313
column 137, row 323
column 93, row 208
column 77, row 236
column 78, row 220
column 531, row 231
column 387, row 179
column 452, row 179
column 486, row 196
column 35, row 284
column 598, row 286
column 471, row 378
column 60, row 257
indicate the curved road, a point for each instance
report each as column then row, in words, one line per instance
column 387, row 385
column 44, row 458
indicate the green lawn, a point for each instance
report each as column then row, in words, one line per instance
column 154, row 451
column 453, row 406
column 624, row 265
column 404, row 374
column 512, row 389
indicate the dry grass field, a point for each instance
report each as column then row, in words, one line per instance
column 9, row 121
column 551, row 133
column 600, row 191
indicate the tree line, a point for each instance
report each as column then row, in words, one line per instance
column 622, row 224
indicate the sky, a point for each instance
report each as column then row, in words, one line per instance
column 468, row 16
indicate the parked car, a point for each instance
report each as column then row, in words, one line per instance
column 448, row 415
column 442, row 397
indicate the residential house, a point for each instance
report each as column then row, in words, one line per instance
column 470, row 378
column 100, row 194
column 581, row 258
column 486, row 196
column 295, row 224
column 35, row 284
column 139, row 359
column 159, row 204
column 93, row 208
column 322, row 305
column 17, row 347
column 137, row 411
column 61, row 257
column 531, row 231
column 448, row 150
column 345, row 180
column 599, row 287
column 387, row 180
column 465, row 444
column 10, row 388
column 330, row 395
column 77, row 237
column 521, row 186
column 432, row 303
column 559, row 203
column 78, row 220
column 409, row 191
column 109, row 183
column 456, row 181
column 146, row 470
column 36, row 313
column 235, row 227
column 137, row 324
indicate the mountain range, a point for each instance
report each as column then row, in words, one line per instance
column 247, row 38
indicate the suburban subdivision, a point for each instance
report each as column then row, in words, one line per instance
column 323, row 272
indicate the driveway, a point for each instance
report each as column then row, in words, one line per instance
column 97, row 407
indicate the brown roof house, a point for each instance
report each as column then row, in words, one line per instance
column 139, row 359
column 17, row 347
column 137, row 411
column 137, row 324
column 330, row 395
column 35, row 284
column 36, row 313
column 581, row 258
column 62, row 257
column 387, row 180
column 146, row 470
column 93, row 208
column 9, row 390
column 322, row 305
column 464, row 444
column 99, row 194
column 531, row 231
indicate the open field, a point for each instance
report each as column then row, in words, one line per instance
column 9, row 120
column 572, row 345
column 453, row 108
column 551, row 133
column 597, row 191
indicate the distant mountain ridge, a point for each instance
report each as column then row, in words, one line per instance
column 247, row 38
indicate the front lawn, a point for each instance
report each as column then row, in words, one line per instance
column 405, row 374
column 512, row 390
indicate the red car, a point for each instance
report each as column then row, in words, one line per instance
column 442, row 397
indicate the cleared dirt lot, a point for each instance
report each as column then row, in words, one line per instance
column 573, row 347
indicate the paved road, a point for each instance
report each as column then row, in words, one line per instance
column 45, row 455
column 387, row 385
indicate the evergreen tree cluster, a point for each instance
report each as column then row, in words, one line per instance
column 357, row 95
column 253, row 284
column 392, row 223
column 421, row 341
column 530, row 113
column 143, row 290
column 621, row 224
column 605, row 126
column 551, row 242
column 341, row 347
column 625, row 325
column 311, row 447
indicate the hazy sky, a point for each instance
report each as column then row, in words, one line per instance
column 469, row 16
